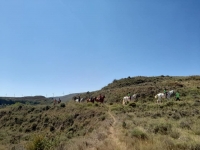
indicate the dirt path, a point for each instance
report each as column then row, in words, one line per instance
column 113, row 134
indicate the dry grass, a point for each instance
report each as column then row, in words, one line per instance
column 142, row 125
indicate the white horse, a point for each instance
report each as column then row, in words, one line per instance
column 160, row 96
column 76, row 100
column 126, row 99
column 170, row 93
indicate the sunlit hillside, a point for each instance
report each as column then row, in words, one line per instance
column 141, row 124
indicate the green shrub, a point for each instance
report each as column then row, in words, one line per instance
column 103, row 117
column 185, row 125
column 139, row 134
column 169, row 103
column 175, row 134
column 132, row 104
column 124, row 125
column 62, row 105
column 162, row 128
column 41, row 142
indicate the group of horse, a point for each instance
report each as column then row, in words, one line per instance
column 56, row 101
column 92, row 99
column 127, row 99
column 161, row 96
column 97, row 99
column 158, row 96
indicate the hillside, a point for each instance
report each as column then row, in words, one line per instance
column 27, row 99
column 148, row 87
column 66, row 98
column 140, row 125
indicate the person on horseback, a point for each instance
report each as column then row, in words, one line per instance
column 79, row 98
column 165, row 92
column 129, row 95
column 177, row 96
column 100, row 97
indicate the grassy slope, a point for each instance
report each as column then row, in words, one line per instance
column 141, row 125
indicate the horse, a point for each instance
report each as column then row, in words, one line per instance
column 170, row 93
column 126, row 99
column 59, row 101
column 55, row 102
column 77, row 100
column 100, row 99
column 160, row 96
column 92, row 99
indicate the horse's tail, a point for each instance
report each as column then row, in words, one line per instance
column 123, row 102
column 156, row 96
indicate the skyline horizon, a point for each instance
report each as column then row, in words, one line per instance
column 65, row 94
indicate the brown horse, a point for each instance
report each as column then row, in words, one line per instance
column 55, row 102
column 92, row 99
column 100, row 99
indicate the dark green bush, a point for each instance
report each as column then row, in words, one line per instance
column 175, row 134
column 162, row 128
column 185, row 125
column 139, row 134
column 62, row 105
column 132, row 104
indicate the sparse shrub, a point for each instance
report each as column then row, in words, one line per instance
column 52, row 128
column 124, row 125
column 101, row 136
column 176, row 116
column 62, row 105
column 69, row 134
column 41, row 142
column 18, row 121
column 169, row 103
column 31, row 109
column 156, row 115
column 132, row 104
column 47, row 107
column 175, row 134
column 20, row 107
column 185, row 125
column 195, row 147
column 45, row 125
column 89, row 104
column 182, row 104
column 32, row 119
column 20, row 130
column 197, row 131
column 33, row 127
column 162, row 128
column 103, row 117
column 27, row 130
column 96, row 104
column 138, row 134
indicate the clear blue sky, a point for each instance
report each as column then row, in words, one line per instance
column 56, row 47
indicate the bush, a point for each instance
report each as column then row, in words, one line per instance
column 139, row 134
column 163, row 129
column 132, row 104
column 124, row 125
column 175, row 134
column 41, row 142
column 62, row 105
column 185, row 125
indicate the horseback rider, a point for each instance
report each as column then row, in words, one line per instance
column 165, row 92
column 79, row 98
column 177, row 96
column 129, row 95
column 100, row 97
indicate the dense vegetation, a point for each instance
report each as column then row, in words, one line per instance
column 140, row 125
